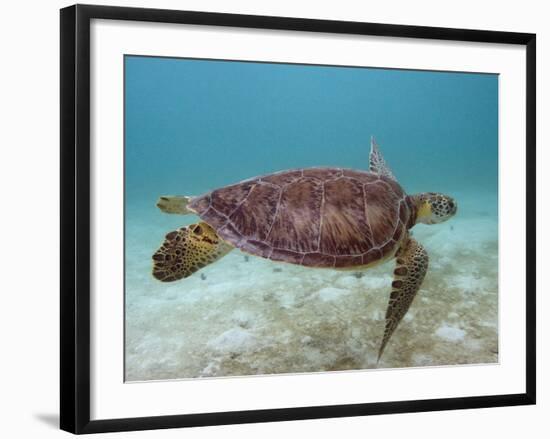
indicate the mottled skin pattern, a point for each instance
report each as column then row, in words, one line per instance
column 317, row 217
column 411, row 267
column 187, row 250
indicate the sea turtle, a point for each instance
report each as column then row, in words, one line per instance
column 317, row 217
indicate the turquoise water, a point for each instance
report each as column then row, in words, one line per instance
column 195, row 125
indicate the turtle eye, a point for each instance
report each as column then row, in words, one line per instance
column 197, row 230
column 451, row 205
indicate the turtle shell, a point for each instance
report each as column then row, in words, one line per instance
column 317, row 217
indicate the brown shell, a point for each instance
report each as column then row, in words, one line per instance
column 317, row 217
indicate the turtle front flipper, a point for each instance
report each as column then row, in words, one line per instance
column 411, row 267
column 187, row 250
column 174, row 204
column 377, row 164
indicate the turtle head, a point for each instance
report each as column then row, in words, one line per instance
column 433, row 208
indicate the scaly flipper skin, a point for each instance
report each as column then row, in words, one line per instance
column 186, row 251
column 377, row 164
column 174, row 204
column 411, row 267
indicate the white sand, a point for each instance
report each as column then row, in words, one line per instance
column 259, row 317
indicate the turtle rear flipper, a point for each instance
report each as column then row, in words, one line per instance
column 187, row 250
column 174, row 204
column 411, row 267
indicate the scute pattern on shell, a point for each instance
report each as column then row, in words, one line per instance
column 317, row 217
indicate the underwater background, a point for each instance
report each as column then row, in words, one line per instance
column 192, row 126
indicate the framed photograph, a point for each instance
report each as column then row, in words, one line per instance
column 273, row 218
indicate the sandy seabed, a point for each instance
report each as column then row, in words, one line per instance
column 245, row 315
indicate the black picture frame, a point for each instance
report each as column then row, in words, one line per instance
column 75, row 217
